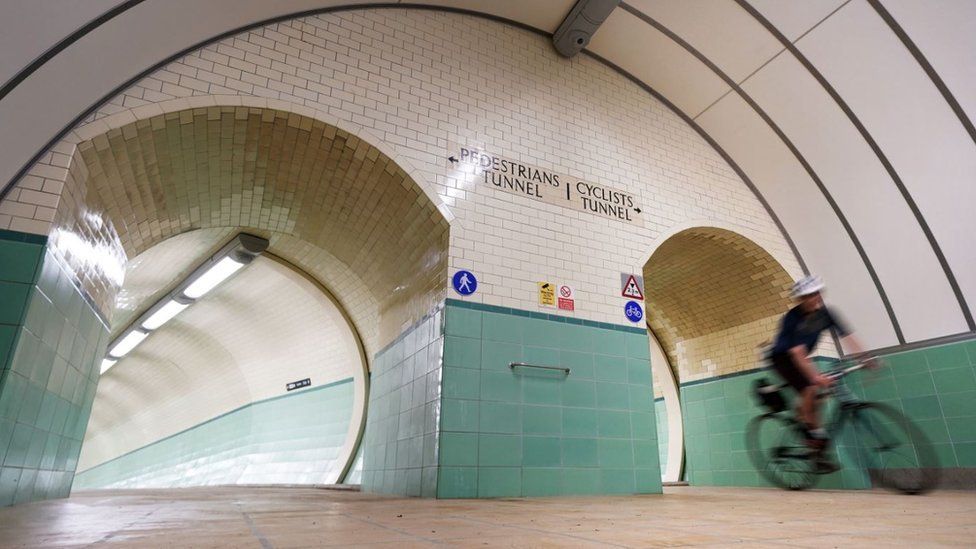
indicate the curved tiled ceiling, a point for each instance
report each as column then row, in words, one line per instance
column 330, row 203
column 705, row 282
column 853, row 119
column 242, row 343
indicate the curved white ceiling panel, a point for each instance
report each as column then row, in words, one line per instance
column 98, row 63
column 920, row 294
column 795, row 18
column 29, row 28
column 655, row 59
column 807, row 216
column 910, row 120
column 719, row 29
column 945, row 32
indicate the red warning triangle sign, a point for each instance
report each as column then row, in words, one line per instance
column 632, row 289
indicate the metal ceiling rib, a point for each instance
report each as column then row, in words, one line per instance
column 927, row 67
column 793, row 149
column 877, row 151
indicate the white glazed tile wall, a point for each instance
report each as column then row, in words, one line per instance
column 412, row 81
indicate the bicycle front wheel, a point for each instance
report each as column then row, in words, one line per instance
column 897, row 454
column 779, row 452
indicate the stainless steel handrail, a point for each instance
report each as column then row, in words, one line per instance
column 514, row 365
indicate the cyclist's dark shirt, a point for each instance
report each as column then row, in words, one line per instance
column 799, row 328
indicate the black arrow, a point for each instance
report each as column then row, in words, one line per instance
column 452, row 159
column 637, row 210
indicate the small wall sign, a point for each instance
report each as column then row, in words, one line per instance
column 298, row 384
column 536, row 183
column 464, row 282
column 632, row 286
column 547, row 294
column 567, row 298
column 633, row 311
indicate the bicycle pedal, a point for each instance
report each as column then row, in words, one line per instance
column 825, row 467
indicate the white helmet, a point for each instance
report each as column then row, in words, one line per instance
column 807, row 285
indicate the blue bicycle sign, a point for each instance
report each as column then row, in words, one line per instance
column 633, row 311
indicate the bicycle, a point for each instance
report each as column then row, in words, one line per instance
column 895, row 452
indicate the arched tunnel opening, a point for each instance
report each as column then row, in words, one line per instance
column 356, row 253
column 713, row 298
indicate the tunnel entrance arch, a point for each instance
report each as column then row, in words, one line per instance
column 712, row 296
column 333, row 205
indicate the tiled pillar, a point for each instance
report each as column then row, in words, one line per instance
column 51, row 342
column 400, row 443
column 524, row 431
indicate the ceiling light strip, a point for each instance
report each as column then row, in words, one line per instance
column 231, row 258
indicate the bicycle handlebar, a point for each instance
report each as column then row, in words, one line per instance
column 839, row 373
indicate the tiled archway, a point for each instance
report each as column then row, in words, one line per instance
column 712, row 295
column 333, row 206
column 330, row 202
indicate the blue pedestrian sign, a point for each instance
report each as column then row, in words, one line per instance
column 633, row 311
column 465, row 282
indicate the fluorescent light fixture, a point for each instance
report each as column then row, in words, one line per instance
column 127, row 343
column 216, row 274
column 238, row 252
column 107, row 363
column 164, row 314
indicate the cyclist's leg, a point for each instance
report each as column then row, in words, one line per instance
column 808, row 402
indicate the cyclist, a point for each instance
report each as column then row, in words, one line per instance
column 799, row 332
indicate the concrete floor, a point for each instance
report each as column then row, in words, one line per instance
column 306, row 517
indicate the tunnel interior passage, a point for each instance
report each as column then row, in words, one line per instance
column 203, row 400
column 357, row 251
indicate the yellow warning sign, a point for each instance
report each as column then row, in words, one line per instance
column 547, row 294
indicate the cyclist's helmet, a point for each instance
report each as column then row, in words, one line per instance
column 807, row 285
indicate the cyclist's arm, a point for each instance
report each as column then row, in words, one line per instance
column 853, row 344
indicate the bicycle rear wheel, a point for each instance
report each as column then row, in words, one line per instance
column 779, row 452
column 898, row 455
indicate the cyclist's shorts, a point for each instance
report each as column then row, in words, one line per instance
column 790, row 372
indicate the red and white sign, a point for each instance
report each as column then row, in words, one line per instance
column 632, row 288
column 567, row 298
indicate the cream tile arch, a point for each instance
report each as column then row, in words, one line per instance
column 126, row 190
column 356, row 297
column 670, row 368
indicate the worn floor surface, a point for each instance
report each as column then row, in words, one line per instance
column 306, row 517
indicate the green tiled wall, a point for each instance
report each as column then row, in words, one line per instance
column 935, row 386
column 535, row 433
column 661, row 420
column 51, row 341
column 294, row 438
column 355, row 474
column 400, row 442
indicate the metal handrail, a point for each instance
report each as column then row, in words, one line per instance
column 513, row 365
